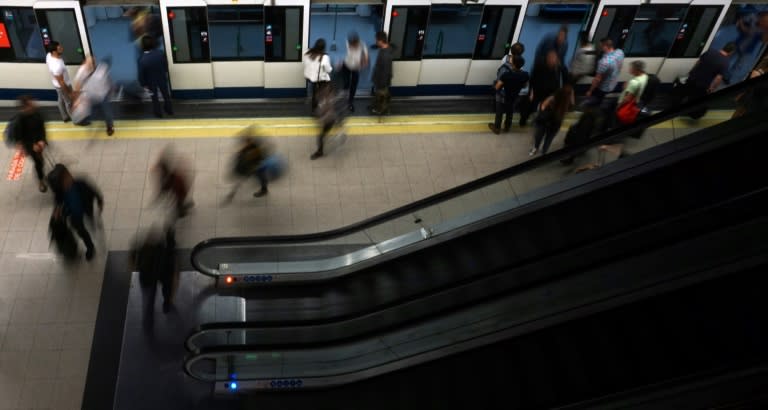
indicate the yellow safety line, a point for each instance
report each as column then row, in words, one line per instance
column 304, row 126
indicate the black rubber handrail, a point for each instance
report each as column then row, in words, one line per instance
column 601, row 139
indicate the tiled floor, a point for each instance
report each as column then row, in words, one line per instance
column 48, row 310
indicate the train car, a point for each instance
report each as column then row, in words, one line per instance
column 253, row 48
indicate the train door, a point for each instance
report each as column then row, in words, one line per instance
column 236, row 33
column 115, row 32
column 693, row 38
column 500, row 24
column 62, row 21
column 335, row 20
column 22, row 54
column 741, row 25
column 644, row 31
column 285, row 40
column 543, row 20
column 406, row 24
column 187, row 43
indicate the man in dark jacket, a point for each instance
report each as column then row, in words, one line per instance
column 74, row 200
column 382, row 75
column 153, row 75
column 546, row 77
column 29, row 133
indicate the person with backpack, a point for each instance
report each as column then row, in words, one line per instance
column 317, row 69
column 510, row 79
column 73, row 200
column 255, row 158
column 551, row 115
column 27, row 131
column 629, row 99
column 355, row 60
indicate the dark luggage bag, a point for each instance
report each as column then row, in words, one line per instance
column 63, row 238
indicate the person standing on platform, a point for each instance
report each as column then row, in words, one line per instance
column 355, row 60
column 60, row 79
column 153, row 75
column 29, row 134
column 605, row 82
column 510, row 79
column 382, row 75
column 317, row 69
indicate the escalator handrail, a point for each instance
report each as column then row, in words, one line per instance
column 271, row 325
column 536, row 162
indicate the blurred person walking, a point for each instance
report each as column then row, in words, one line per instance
column 317, row 69
column 28, row 133
column 550, row 119
column 174, row 182
column 584, row 59
column 354, row 62
column 74, row 201
column 154, row 257
column 255, row 158
column 153, row 75
column 557, row 42
column 547, row 76
column 93, row 89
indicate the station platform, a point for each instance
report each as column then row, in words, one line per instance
column 48, row 310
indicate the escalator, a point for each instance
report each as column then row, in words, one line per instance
column 389, row 296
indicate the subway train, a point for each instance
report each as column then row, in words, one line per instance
column 253, row 48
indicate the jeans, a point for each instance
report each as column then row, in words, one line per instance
column 351, row 79
column 382, row 99
column 507, row 107
column 65, row 104
column 79, row 225
column 153, row 89
column 106, row 109
column 37, row 157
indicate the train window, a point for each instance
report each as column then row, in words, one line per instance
column 61, row 26
column 20, row 39
column 407, row 29
column 236, row 32
column 654, row 29
column 693, row 35
column 282, row 33
column 496, row 31
column 189, row 34
column 452, row 31
column 615, row 22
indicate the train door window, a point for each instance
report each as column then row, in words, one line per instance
column 61, row 26
column 236, row 32
column 741, row 26
column 614, row 23
column 407, row 30
column 693, row 34
column 189, row 34
column 544, row 20
column 20, row 39
column 452, row 31
column 654, row 29
column 496, row 30
column 282, row 33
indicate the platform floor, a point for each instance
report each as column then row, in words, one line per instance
column 48, row 310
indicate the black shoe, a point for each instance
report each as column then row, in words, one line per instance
column 89, row 254
column 260, row 193
column 84, row 123
column 493, row 128
column 110, row 131
column 316, row 155
column 66, row 120
column 42, row 187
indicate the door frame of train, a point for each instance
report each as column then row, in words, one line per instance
column 188, row 80
column 482, row 72
column 405, row 74
column 672, row 68
column 286, row 78
column 73, row 5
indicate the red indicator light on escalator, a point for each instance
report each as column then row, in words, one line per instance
column 230, row 280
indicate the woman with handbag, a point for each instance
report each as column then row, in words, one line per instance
column 317, row 69
column 550, row 118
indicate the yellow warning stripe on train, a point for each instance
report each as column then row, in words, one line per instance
column 303, row 126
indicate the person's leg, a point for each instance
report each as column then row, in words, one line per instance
column 109, row 115
column 37, row 157
column 64, row 105
column 314, row 96
column 79, row 226
column 538, row 135
column 549, row 136
column 155, row 101
column 499, row 108
column 509, row 107
column 261, row 175
column 166, row 99
column 526, row 108
column 354, row 79
column 321, row 140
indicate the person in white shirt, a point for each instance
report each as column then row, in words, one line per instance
column 60, row 79
column 355, row 60
column 317, row 69
column 93, row 89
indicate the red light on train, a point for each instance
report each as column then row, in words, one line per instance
column 171, row 15
column 395, row 13
column 605, row 13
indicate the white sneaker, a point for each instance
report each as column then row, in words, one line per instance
column 532, row 152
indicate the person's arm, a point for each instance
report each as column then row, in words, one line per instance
column 64, row 87
column 715, row 83
column 595, row 83
column 547, row 102
column 326, row 63
column 498, row 85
